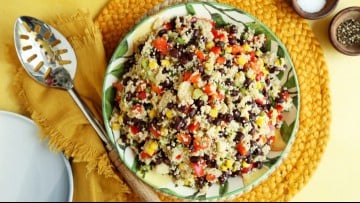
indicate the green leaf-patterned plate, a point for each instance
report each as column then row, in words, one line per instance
column 222, row 15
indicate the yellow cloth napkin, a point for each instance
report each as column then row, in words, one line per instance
column 54, row 111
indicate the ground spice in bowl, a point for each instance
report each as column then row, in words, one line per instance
column 348, row 32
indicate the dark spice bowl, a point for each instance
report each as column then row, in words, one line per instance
column 329, row 6
column 341, row 17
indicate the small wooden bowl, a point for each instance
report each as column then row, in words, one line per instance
column 341, row 16
column 330, row 5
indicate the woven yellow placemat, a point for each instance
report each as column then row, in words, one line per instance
column 118, row 16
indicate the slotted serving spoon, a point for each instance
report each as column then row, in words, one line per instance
column 48, row 57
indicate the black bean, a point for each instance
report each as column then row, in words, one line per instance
column 258, row 164
column 199, row 103
column 243, row 120
column 252, row 131
column 183, row 59
column 228, row 118
column 196, row 33
column 228, row 63
column 125, row 81
column 257, row 151
column 162, row 32
column 192, row 112
column 206, row 157
column 229, row 82
column 267, row 81
column 220, row 44
column 232, row 41
column 166, row 161
column 211, row 163
column 148, row 106
column 247, row 82
column 221, row 70
column 249, row 158
column 239, row 136
column 252, row 116
column 238, row 157
column 216, row 121
column 205, row 77
column 234, row 93
column 280, row 100
column 167, row 84
column 174, row 53
column 194, row 159
column 200, row 182
column 126, row 119
column 189, row 56
column 200, row 68
column 170, row 105
column 128, row 96
column 236, row 114
column 233, row 29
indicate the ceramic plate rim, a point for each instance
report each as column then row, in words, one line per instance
column 289, row 144
column 21, row 118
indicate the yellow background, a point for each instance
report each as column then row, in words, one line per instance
column 336, row 178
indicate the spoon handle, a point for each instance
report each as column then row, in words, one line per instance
column 89, row 115
column 138, row 186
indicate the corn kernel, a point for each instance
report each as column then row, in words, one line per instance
column 228, row 49
column 163, row 131
column 209, row 66
column 115, row 126
column 246, row 47
column 258, row 53
column 241, row 60
column 245, row 164
column 153, row 64
column 209, row 45
column 152, row 113
column 223, row 168
column 165, row 63
column 213, row 112
column 279, row 62
column 229, row 163
column 169, row 114
column 150, row 147
column 120, row 119
column 259, row 86
column 260, row 121
column 261, row 63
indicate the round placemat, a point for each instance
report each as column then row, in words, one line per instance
column 119, row 16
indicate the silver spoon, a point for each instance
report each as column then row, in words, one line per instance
column 48, row 58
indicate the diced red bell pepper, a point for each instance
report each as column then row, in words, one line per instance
column 162, row 45
column 236, row 49
column 184, row 138
column 240, row 147
column 193, row 127
column 154, row 132
column 187, row 75
column 144, row 155
column 156, row 89
column 200, row 55
column 221, row 60
column 134, row 129
column 198, row 169
column 210, row 177
column 216, row 50
column 118, row 86
column 142, row 95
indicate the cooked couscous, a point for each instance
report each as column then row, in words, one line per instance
column 200, row 103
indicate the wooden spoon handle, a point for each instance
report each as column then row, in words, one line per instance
column 144, row 191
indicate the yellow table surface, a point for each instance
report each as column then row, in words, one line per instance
column 336, row 178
